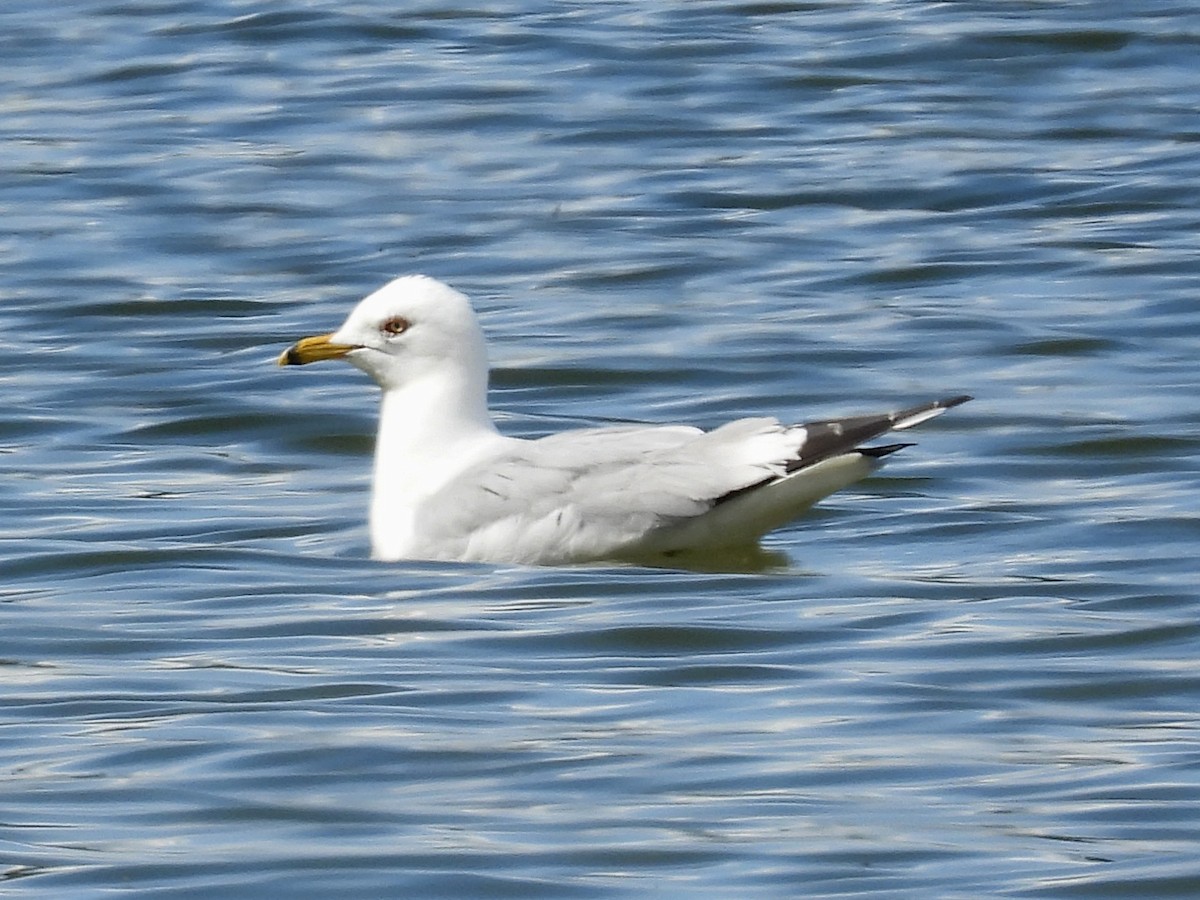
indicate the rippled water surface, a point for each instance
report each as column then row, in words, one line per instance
column 973, row 675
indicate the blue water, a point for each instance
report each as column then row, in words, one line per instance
column 974, row 674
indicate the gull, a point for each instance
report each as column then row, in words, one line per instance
column 447, row 485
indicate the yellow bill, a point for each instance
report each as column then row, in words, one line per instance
column 313, row 349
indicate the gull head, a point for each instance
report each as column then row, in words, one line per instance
column 411, row 328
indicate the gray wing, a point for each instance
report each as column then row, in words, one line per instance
column 587, row 493
column 584, row 493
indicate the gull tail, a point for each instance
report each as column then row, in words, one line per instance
column 829, row 459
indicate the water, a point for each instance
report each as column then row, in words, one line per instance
column 975, row 674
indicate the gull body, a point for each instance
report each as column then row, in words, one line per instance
column 448, row 485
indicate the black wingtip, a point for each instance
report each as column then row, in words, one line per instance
column 923, row 412
column 880, row 452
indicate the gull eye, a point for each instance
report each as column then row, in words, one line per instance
column 395, row 325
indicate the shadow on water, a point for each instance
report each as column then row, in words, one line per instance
column 746, row 560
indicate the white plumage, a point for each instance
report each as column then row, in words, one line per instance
column 448, row 485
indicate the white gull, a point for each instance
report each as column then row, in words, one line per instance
column 448, row 485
